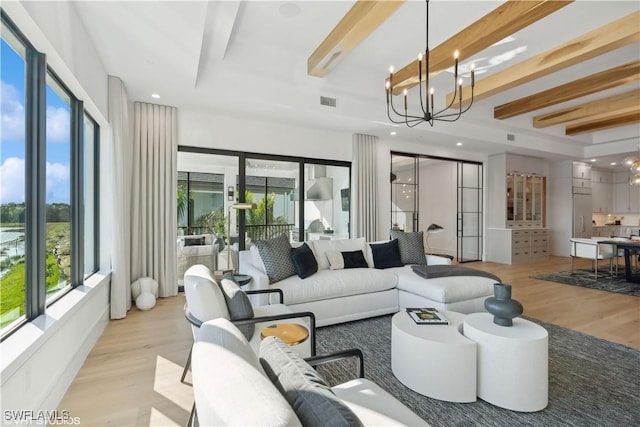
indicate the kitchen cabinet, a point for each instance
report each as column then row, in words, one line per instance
column 626, row 198
column 581, row 174
column 516, row 209
column 602, row 191
column 525, row 200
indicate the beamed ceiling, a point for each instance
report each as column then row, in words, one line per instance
column 559, row 77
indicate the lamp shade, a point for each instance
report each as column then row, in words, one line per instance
column 434, row 228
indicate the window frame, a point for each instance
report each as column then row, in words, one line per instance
column 36, row 70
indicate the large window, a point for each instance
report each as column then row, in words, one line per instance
column 200, row 203
column 302, row 198
column 12, row 178
column 271, row 185
column 48, row 199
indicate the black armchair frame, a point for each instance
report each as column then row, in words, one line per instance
column 295, row 315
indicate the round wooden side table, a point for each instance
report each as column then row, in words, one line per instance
column 290, row 333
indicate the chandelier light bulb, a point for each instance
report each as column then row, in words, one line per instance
column 460, row 81
column 391, row 70
column 455, row 54
column 420, row 57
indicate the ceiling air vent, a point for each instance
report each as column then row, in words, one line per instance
column 511, row 137
column 329, row 102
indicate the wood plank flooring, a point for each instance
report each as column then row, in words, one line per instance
column 132, row 376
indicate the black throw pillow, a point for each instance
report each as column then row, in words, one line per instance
column 303, row 261
column 194, row 240
column 386, row 255
column 354, row 259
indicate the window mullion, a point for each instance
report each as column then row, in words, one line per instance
column 35, row 177
column 77, row 193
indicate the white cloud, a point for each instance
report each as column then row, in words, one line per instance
column 12, row 118
column 12, row 113
column 12, row 180
column 58, row 124
column 58, row 182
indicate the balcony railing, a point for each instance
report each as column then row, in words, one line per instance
column 254, row 232
column 263, row 232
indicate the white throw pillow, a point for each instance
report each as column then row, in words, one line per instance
column 321, row 247
column 336, row 260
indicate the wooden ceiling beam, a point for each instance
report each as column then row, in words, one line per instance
column 617, row 104
column 612, row 121
column 361, row 20
column 597, row 42
column 594, row 83
column 503, row 21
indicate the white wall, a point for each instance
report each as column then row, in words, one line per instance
column 39, row 361
column 201, row 129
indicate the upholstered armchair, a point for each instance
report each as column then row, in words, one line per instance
column 206, row 300
column 201, row 249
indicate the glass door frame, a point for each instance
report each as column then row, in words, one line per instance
column 459, row 163
column 243, row 156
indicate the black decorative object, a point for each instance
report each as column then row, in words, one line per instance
column 503, row 308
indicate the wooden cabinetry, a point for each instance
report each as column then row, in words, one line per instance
column 525, row 200
column 602, row 191
column 516, row 209
column 529, row 245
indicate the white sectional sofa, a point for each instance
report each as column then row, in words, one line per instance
column 342, row 295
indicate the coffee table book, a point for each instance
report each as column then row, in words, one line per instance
column 427, row 316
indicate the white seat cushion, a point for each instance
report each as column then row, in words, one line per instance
column 327, row 284
column 374, row 406
column 444, row 289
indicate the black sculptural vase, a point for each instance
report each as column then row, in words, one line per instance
column 503, row 308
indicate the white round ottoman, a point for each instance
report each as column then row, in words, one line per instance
column 512, row 362
column 434, row 360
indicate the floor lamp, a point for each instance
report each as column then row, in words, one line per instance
column 238, row 206
column 432, row 228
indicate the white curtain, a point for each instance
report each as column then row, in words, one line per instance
column 153, row 203
column 365, row 189
column 121, row 155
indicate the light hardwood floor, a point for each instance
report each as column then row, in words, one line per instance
column 132, row 376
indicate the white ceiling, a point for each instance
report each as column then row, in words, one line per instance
column 249, row 58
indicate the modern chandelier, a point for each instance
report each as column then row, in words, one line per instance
column 427, row 104
column 634, row 168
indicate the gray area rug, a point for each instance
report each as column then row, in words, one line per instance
column 585, row 279
column 592, row 382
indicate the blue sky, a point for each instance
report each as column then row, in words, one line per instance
column 12, row 152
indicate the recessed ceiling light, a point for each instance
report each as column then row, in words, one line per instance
column 613, row 163
column 593, row 160
column 289, row 10
column 393, row 133
column 155, row 95
column 459, row 144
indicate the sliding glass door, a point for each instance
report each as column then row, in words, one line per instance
column 469, row 212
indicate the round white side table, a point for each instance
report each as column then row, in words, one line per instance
column 434, row 360
column 512, row 362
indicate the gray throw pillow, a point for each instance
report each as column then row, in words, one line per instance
column 308, row 394
column 411, row 247
column 275, row 256
column 238, row 304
